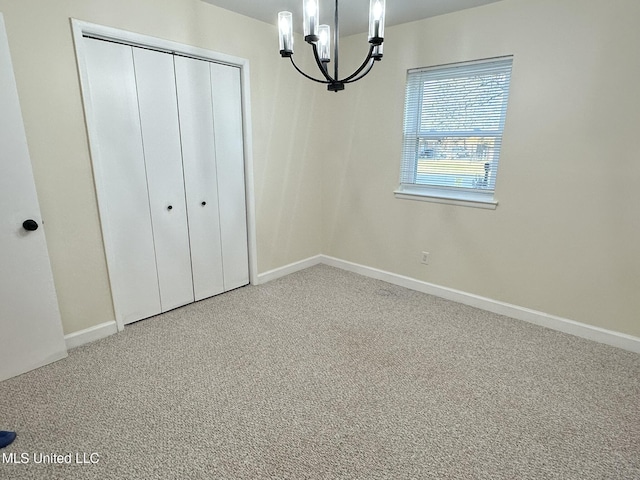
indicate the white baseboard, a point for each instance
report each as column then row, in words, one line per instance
column 91, row 334
column 597, row 334
column 82, row 337
column 288, row 269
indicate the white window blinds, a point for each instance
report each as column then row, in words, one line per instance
column 454, row 118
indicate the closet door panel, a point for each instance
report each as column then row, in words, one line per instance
column 163, row 157
column 121, row 180
column 201, row 182
column 227, row 116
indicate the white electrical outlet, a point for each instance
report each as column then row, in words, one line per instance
column 425, row 258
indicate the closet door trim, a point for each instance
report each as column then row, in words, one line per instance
column 85, row 29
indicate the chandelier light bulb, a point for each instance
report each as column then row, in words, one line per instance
column 284, row 26
column 377, row 10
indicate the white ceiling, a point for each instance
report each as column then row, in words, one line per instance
column 354, row 14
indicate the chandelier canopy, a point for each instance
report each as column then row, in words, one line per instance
column 319, row 37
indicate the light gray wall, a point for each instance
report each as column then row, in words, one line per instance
column 287, row 191
column 565, row 238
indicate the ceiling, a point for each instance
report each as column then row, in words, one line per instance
column 354, row 14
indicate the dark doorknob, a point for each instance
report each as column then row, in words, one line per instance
column 30, row 225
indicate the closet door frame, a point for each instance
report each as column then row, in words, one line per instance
column 82, row 29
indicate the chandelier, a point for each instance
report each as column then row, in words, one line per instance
column 319, row 37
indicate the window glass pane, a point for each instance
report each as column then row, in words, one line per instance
column 456, row 161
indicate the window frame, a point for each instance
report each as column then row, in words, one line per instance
column 413, row 136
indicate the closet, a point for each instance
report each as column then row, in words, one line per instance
column 167, row 146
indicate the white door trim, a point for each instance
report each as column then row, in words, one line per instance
column 81, row 28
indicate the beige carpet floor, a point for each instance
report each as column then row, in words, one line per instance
column 325, row 374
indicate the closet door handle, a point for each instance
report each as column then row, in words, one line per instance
column 170, row 207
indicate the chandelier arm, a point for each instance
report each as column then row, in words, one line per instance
column 304, row 74
column 322, row 68
column 363, row 74
column 362, row 67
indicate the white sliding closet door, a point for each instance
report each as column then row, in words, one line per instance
column 121, row 180
column 163, row 158
column 227, row 119
column 193, row 80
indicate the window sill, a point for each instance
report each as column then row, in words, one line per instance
column 462, row 199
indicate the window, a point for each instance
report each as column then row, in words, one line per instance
column 453, row 123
